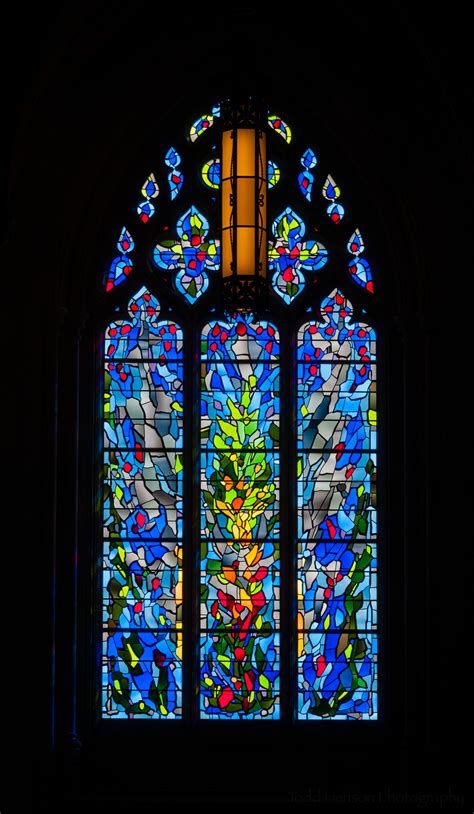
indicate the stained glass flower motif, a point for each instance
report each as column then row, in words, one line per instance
column 190, row 255
column 175, row 177
column 288, row 255
column 359, row 268
column 122, row 265
column 149, row 190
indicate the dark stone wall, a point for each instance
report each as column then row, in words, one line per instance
column 90, row 87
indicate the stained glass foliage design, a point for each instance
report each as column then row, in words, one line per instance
column 288, row 255
column 175, row 177
column 142, row 514
column 190, row 254
column 280, row 127
column 122, row 265
column 239, row 520
column 306, row 178
column 149, row 190
column 331, row 192
column 359, row 267
column 337, row 603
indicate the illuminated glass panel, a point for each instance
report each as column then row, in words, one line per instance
column 175, row 177
column 306, row 178
column 142, row 515
column 359, row 267
column 332, row 192
column 240, row 424
column 203, row 124
column 337, row 529
column 280, row 127
column 190, row 254
column 211, row 173
column 288, row 255
column 122, row 265
column 149, row 190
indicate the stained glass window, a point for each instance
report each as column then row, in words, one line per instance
column 213, row 423
column 336, row 561
column 240, row 519
column 143, row 514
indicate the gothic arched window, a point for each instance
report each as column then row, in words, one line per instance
column 238, row 521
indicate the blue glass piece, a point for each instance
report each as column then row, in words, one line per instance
column 308, row 159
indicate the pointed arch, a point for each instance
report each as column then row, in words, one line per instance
column 337, row 562
column 142, row 514
column 300, row 354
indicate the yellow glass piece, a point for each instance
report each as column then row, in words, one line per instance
column 372, row 415
column 251, row 556
column 134, row 658
column 206, row 177
column 225, row 660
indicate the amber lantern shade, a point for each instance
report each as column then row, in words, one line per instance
column 243, row 203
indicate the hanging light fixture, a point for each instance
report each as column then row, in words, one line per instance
column 243, row 203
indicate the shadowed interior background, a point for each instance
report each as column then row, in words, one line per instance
column 89, row 87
